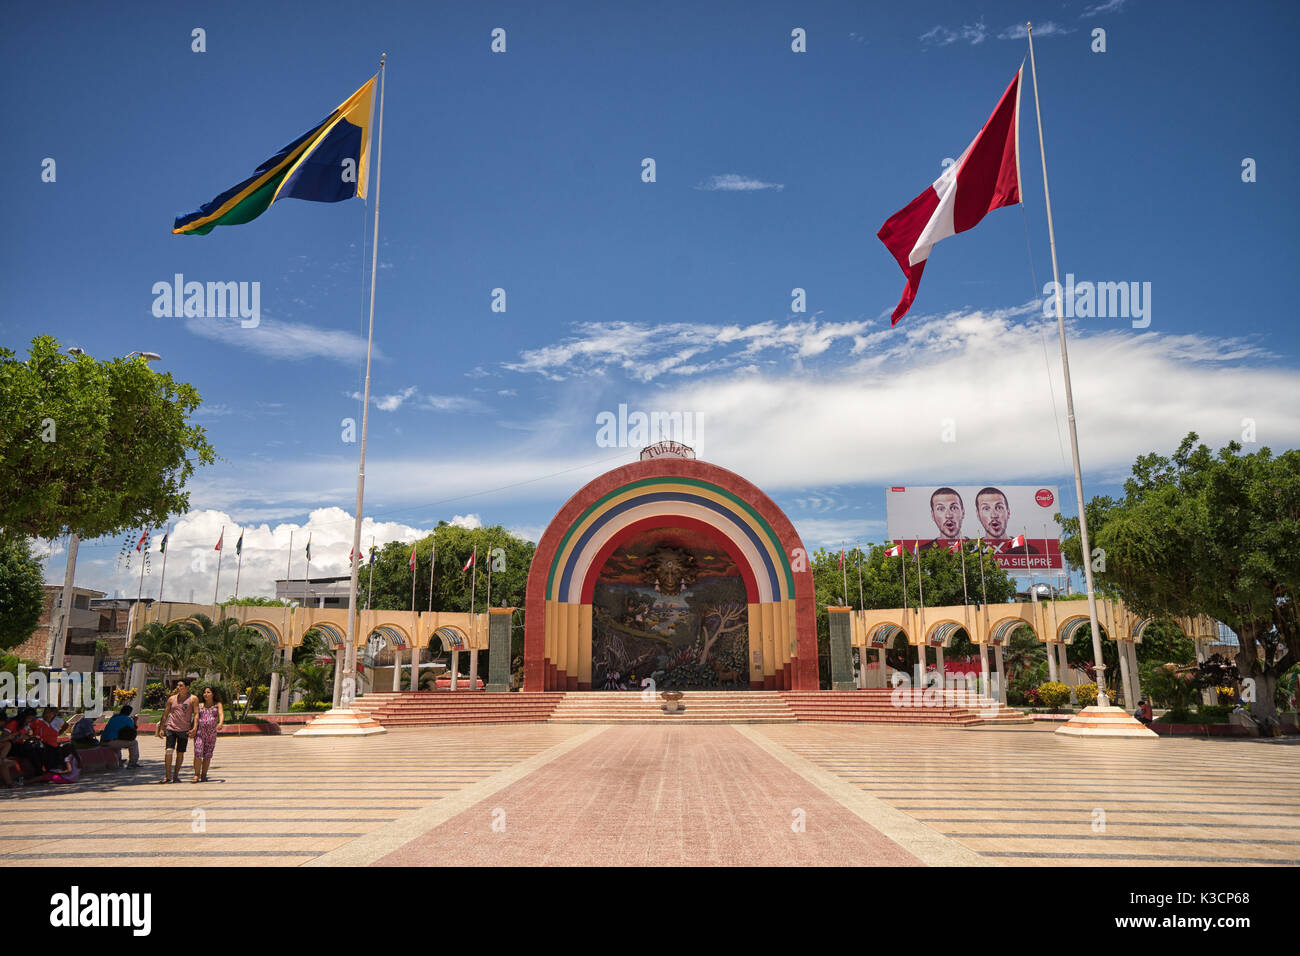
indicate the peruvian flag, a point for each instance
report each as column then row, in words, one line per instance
column 470, row 563
column 986, row 177
column 140, row 543
column 895, row 552
column 841, row 557
column 220, row 540
column 954, row 547
column 412, row 561
column 1017, row 542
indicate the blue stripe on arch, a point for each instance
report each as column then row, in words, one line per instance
column 662, row 496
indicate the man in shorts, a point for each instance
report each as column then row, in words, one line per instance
column 179, row 722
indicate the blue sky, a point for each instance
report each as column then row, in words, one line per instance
column 522, row 171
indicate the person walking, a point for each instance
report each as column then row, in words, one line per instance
column 178, row 721
column 211, row 718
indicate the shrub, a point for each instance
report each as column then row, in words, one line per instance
column 1053, row 694
column 1213, row 713
column 155, row 696
column 1086, row 694
column 260, row 697
column 122, row 695
column 303, row 706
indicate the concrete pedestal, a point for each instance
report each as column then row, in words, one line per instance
column 342, row 722
column 1105, row 722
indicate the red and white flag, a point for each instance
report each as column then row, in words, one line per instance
column 140, row 543
column 412, row 561
column 220, row 539
column 954, row 546
column 470, row 563
column 895, row 552
column 984, row 178
column 1017, row 542
column 841, row 557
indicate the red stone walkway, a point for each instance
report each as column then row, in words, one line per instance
column 692, row 795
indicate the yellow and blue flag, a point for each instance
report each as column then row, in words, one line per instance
column 328, row 163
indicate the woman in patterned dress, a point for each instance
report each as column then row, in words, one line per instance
column 212, row 717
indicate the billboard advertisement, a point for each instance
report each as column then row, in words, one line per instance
column 941, row 516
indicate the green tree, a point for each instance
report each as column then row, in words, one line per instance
column 451, row 585
column 1206, row 533
column 22, row 596
column 94, row 448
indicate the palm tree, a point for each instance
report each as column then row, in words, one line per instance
column 316, row 681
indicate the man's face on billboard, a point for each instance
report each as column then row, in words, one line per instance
column 993, row 514
column 947, row 512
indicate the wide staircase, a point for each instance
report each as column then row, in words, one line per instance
column 938, row 709
column 696, row 707
column 430, row 708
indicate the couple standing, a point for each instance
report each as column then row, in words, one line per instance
column 187, row 716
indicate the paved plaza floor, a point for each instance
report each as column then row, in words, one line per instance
column 751, row 795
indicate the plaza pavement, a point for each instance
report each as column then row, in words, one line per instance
column 763, row 794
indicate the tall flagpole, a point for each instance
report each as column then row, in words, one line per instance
column 1102, row 699
column 222, row 542
column 350, row 655
column 488, row 603
column 370, row 588
column 844, row 573
column 861, row 605
column 239, row 568
column 306, row 581
column 433, row 563
column 984, row 594
column 140, row 593
column 415, row 563
column 163, row 579
column 961, row 546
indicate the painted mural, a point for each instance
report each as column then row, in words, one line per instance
column 670, row 605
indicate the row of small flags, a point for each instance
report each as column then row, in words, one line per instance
column 239, row 549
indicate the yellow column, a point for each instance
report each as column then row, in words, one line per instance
column 791, row 634
column 549, row 630
column 755, row 619
column 771, row 660
column 584, row 643
column 571, row 635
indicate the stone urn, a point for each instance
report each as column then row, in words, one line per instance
column 672, row 701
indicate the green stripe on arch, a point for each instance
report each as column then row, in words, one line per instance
column 651, row 482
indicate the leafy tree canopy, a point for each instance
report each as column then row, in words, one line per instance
column 1211, row 533
column 22, row 597
column 93, row 448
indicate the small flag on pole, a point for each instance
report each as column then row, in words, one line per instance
column 139, row 544
column 841, row 556
column 412, row 561
column 239, row 545
column 308, row 547
column 470, row 563
column 954, row 547
column 895, row 552
column 220, row 540
column 373, row 551
column 162, row 548
column 984, row 178
column 1019, row 542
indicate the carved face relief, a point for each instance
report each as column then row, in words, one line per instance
column 670, row 569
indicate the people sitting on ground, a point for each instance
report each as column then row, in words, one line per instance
column 69, row 769
column 83, row 732
column 43, row 729
column 120, row 732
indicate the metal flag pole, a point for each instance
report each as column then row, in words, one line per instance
column 961, row 546
column 370, row 588
column 415, row 562
column 979, row 549
column 306, row 581
column 433, row 563
column 1033, row 595
column 844, row 573
column 140, row 593
column 239, row 567
column 221, row 544
column 861, row 604
column 488, row 603
column 922, row 663
column 1102, row 700
column 163, row 579
column 350, row 655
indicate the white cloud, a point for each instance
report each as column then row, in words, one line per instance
column 466, row 521
column 276, row 339
column 1108, row 6
column 647, row 352
column 971, row 33
column 433, row 403
column 734, row 182
column 1018, row 31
